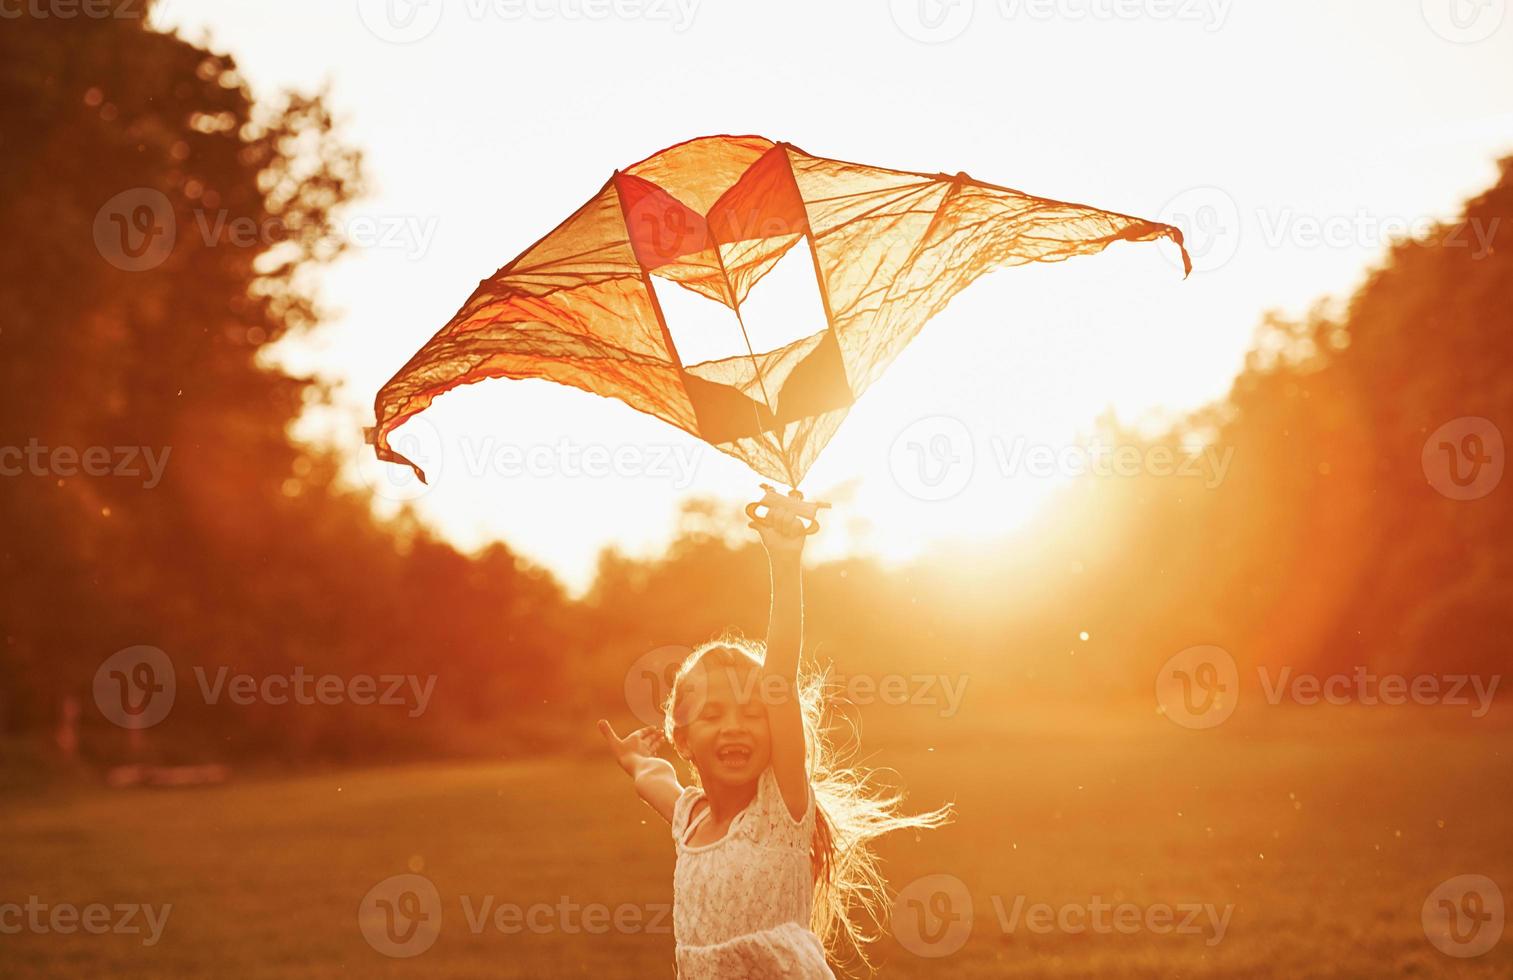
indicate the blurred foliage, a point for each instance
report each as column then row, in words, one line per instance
column 1323, row 546
column 248, row 554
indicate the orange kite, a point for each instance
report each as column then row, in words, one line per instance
column 714, row 215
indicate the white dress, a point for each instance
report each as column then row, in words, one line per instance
column 741, row 904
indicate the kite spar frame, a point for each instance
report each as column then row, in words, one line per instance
column 402, row 405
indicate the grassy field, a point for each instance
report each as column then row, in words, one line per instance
column 1321, row 833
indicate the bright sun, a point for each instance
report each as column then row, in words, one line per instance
column 966, row 435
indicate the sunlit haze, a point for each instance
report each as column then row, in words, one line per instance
column 485, row 132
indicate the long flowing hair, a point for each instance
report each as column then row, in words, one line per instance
column 851, row 901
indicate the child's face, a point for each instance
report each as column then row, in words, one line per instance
column 727, row 735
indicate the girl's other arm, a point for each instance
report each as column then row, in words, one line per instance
column 656, row 780
column 780, row 669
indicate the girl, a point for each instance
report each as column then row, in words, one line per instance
column 774, row 832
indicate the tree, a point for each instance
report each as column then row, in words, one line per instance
column 169, row 225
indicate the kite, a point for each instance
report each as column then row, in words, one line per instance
column 890, row 248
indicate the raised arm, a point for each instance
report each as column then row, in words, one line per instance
column 656, row 780
column 785, row 634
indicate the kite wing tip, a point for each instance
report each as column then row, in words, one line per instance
column 420, row 474
column 382, row 449
column 1187, row 260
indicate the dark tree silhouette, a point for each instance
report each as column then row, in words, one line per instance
column 164, row 229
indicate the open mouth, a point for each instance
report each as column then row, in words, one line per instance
column 734, row 755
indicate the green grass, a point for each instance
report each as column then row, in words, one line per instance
column 1325, row 832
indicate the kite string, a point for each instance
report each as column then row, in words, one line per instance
column 761, row 383
column 735, row 307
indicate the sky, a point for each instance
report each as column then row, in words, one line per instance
column 1289, row 139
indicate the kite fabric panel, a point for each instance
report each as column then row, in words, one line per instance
column 713, row 215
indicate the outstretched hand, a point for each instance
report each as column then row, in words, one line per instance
column 780, row 544
column 782, row 532
column 656, row 780
column 635, row 748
